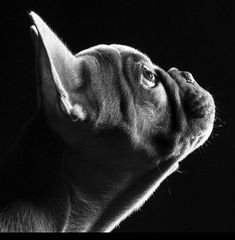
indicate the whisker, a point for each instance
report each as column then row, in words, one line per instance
column 167, row 182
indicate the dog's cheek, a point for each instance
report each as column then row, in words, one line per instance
column 153, row 111
column 146, row 125
column 160, row 98
column 153, row 124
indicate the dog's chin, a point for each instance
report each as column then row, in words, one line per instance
column 185, row 143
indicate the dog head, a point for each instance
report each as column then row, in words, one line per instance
column 111, row 99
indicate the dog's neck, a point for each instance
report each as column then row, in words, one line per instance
column 93, row 196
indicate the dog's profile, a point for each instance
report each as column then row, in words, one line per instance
column 110, row 127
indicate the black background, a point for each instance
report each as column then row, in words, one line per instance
column 195, row 36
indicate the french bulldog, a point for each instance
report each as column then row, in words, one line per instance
column 110, row 127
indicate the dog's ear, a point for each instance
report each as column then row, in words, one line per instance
column 56, row 68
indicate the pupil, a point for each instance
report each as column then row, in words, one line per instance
column 150, row 75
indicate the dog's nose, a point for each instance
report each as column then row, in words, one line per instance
column 188, row 76
column 180, row 76
column 194, row 101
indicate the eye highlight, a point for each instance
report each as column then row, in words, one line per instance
column 148, row 79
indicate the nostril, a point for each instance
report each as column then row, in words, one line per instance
column 188, row 76
column 190, row 81
column 181, row 76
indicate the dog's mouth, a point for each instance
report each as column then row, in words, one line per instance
column 192, row 111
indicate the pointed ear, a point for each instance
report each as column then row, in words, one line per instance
column 56, row 71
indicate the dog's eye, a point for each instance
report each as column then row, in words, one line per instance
column 149, row 78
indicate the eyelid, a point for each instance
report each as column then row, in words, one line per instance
column 152, row 70
column 146, row 68
column 155, row 72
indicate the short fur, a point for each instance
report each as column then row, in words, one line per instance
column 101, row 140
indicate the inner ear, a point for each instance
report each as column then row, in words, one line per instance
column 57, row 70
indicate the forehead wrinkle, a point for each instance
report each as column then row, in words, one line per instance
column 136, row 55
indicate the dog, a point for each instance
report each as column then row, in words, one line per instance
column 109, row 128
